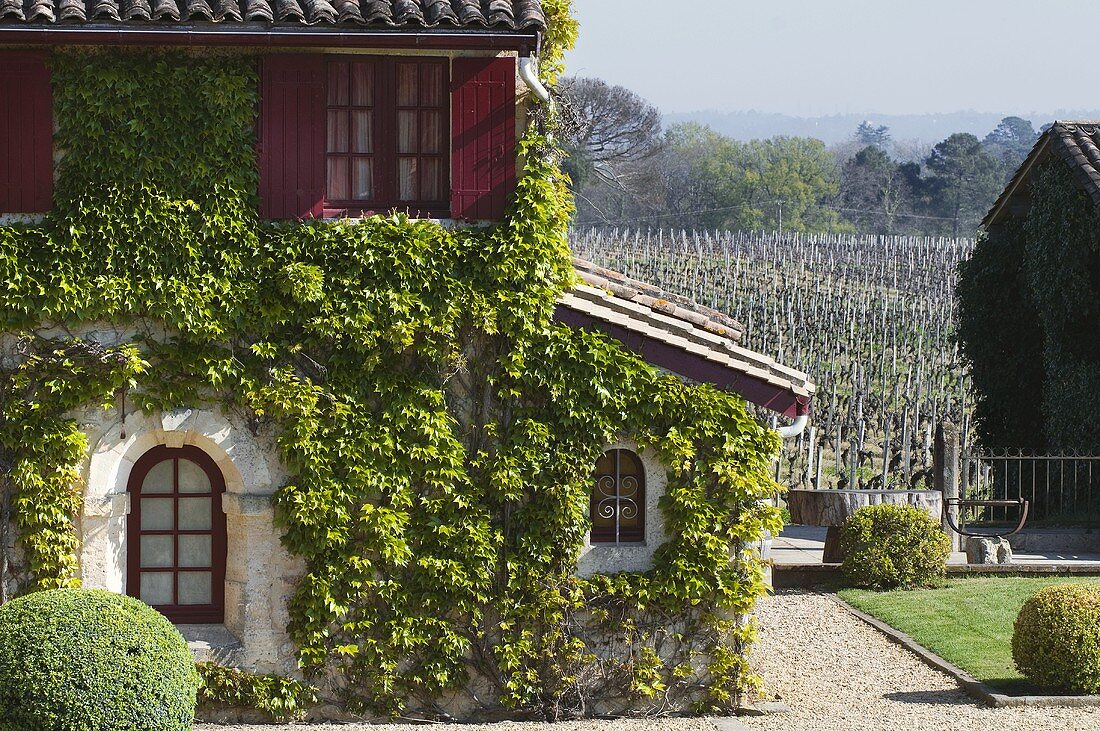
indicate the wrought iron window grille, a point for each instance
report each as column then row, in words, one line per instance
column 618, row 498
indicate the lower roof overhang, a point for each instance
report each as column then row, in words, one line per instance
column 691, row 366
column 265, row 35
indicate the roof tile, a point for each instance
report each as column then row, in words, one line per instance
column 1077, row 143
column 657, row 299
column 481, row 14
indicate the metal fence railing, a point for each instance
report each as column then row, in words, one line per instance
column 1063, row 489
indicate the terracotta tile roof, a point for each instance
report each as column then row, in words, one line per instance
column 681, row 336
column 633, row 290
column 1077, row 143
column 467, row 14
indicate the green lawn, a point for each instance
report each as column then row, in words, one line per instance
column 968, row 621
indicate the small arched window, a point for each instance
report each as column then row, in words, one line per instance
column 618, row 498
column 176, row 535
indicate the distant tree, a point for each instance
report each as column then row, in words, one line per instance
column 703, row 179
column 872, row 134
column 964, row 181
column 874, row 190
column 612, row 138
column 614, row 128
column 1010, row 142
column 712, row 181
column 790, row 183
column 911, row 150
column 1012, row 132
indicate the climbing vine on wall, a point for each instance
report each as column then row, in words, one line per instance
column 1000, row 336
column 1029, row 305
column 440, row 429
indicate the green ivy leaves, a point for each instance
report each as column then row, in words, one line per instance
column 439, row 429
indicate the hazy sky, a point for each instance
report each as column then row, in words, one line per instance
column 817, row 57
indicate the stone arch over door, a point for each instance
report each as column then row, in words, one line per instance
column 257, row 569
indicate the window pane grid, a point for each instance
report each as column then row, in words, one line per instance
column 178, row 565
column 350, row 147
column 387, row 142
column 420, row 133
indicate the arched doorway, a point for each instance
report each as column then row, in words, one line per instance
column 176, row 535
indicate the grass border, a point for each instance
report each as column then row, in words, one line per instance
column 971, row 686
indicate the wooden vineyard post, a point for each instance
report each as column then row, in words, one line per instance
column 809, row 479
column 817, row 478
column 906, row 448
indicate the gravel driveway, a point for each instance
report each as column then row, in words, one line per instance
column 836, row 674
column 669, row 724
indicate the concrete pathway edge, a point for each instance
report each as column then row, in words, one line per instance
column 972, row 686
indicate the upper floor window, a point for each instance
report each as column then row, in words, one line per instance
column 618, row 498
column 387, row 139
column 355, row 134
column 26, row 133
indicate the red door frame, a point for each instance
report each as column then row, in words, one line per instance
column 213, row 613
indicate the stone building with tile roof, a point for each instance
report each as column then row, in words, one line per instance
column 1027, row 299
column 1075, row 143
column 366, row 107
column 85, row 15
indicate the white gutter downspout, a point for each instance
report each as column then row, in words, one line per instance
column 792, row 431
column 529, row 72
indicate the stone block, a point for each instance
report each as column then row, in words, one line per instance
column 988, row 551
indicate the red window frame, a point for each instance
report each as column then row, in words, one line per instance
column 386, row 108
column 213, row 613
column 618, row 494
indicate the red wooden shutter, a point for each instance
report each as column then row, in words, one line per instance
column 292, row 136
column 26, row 134
column 483, row 129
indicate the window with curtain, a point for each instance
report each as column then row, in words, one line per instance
column 618, row 498
column 387, row 134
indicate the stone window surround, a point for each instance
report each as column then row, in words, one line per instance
column 607, row 558
column 254, row 635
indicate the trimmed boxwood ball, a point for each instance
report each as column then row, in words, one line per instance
column 1056, row 638
column 90, row 660
column 893, row 546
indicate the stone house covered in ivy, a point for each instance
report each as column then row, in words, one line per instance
column 295, row 352
column 1028, row 300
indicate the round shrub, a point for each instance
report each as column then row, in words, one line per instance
column 88, row 660
column 1056, row 639
column 893, row 546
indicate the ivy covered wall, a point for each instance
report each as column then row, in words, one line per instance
column 440, row 430
column 1029, row 301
